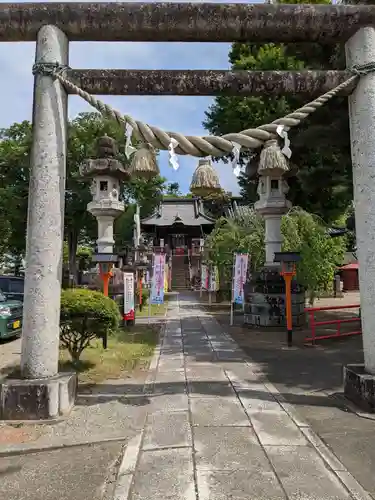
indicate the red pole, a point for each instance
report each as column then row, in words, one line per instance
column 288, row 306
column 105, row 278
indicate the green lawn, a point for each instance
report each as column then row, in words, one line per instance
column 128, row 349
column 155, row 310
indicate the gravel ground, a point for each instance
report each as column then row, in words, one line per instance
column 10, row 353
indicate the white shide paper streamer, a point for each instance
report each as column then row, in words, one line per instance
column 173, row 159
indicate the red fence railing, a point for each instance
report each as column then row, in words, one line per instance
column 313, row 324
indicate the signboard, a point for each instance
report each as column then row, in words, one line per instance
column 157, row 282
column 129, row 296
column 204, row 277
column 239, row 276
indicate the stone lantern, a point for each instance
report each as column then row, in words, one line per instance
column 105, row 173
column 265, row 292
column 272, row 205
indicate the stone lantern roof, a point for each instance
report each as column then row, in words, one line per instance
column 105, row 163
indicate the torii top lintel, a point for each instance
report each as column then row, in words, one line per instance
column 186, row 22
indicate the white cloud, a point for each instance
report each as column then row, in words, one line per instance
column 180, row 114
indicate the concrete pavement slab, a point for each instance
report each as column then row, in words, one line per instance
column 276, row 428
column 239, row 485
column 76, row 473
column 166, row 429
column 211, row 373
column 167, row 377
column 303, row 474
column 171, row 364
column 168, row 402
column 199, row 388
column 218, row 411
column 95, row 421
column 228, row 448
column 258, row 401
column 164, row 475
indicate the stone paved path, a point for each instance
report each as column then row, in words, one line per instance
column 218, row 430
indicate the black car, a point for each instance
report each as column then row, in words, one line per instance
column 12, row 287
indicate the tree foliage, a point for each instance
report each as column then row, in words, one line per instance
column 320, row 145
column 173, row 190
column 320, row 254
column 302, row 232
column 80, row 225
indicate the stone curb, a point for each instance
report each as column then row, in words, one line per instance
column 15, row 449
column 127, row 468
column 351, row 406
column 128, row 464
column 331, row 460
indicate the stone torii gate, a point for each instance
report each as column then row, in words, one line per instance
column 42, row 392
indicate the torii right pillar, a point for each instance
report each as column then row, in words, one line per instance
column 359, row 380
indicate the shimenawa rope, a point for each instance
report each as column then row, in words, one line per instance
column 211, row 145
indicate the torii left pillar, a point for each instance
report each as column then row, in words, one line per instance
column 42, row 393
column 359, row 380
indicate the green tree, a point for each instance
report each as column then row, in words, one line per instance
column 15, row 145
column 80, row 226
column 320, row 145
column 302, row 232
column 173, row 190
column 148, row 194
column 320, row 254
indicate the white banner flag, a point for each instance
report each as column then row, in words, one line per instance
column 214, row 279
column 157, row 282
column 204, row 277
column 128, row 294
column 239, row 277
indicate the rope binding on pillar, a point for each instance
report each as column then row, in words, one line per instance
column 215, row 146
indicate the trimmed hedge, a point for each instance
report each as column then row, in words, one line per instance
column 85, row 315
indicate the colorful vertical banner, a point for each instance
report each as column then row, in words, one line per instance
column 239, row 276
column 129, row 304
column 204, row 277
column 157, row 282
column 214, row 279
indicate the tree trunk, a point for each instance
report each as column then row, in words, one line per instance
column 72, row 252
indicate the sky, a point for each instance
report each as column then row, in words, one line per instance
column 174, row 113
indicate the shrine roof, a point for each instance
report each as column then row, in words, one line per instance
column 183, row 211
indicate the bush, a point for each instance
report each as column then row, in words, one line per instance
column 145, row 296
column 85, row 315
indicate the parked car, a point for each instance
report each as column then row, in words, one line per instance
column 12, row 287
column 10, row 317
